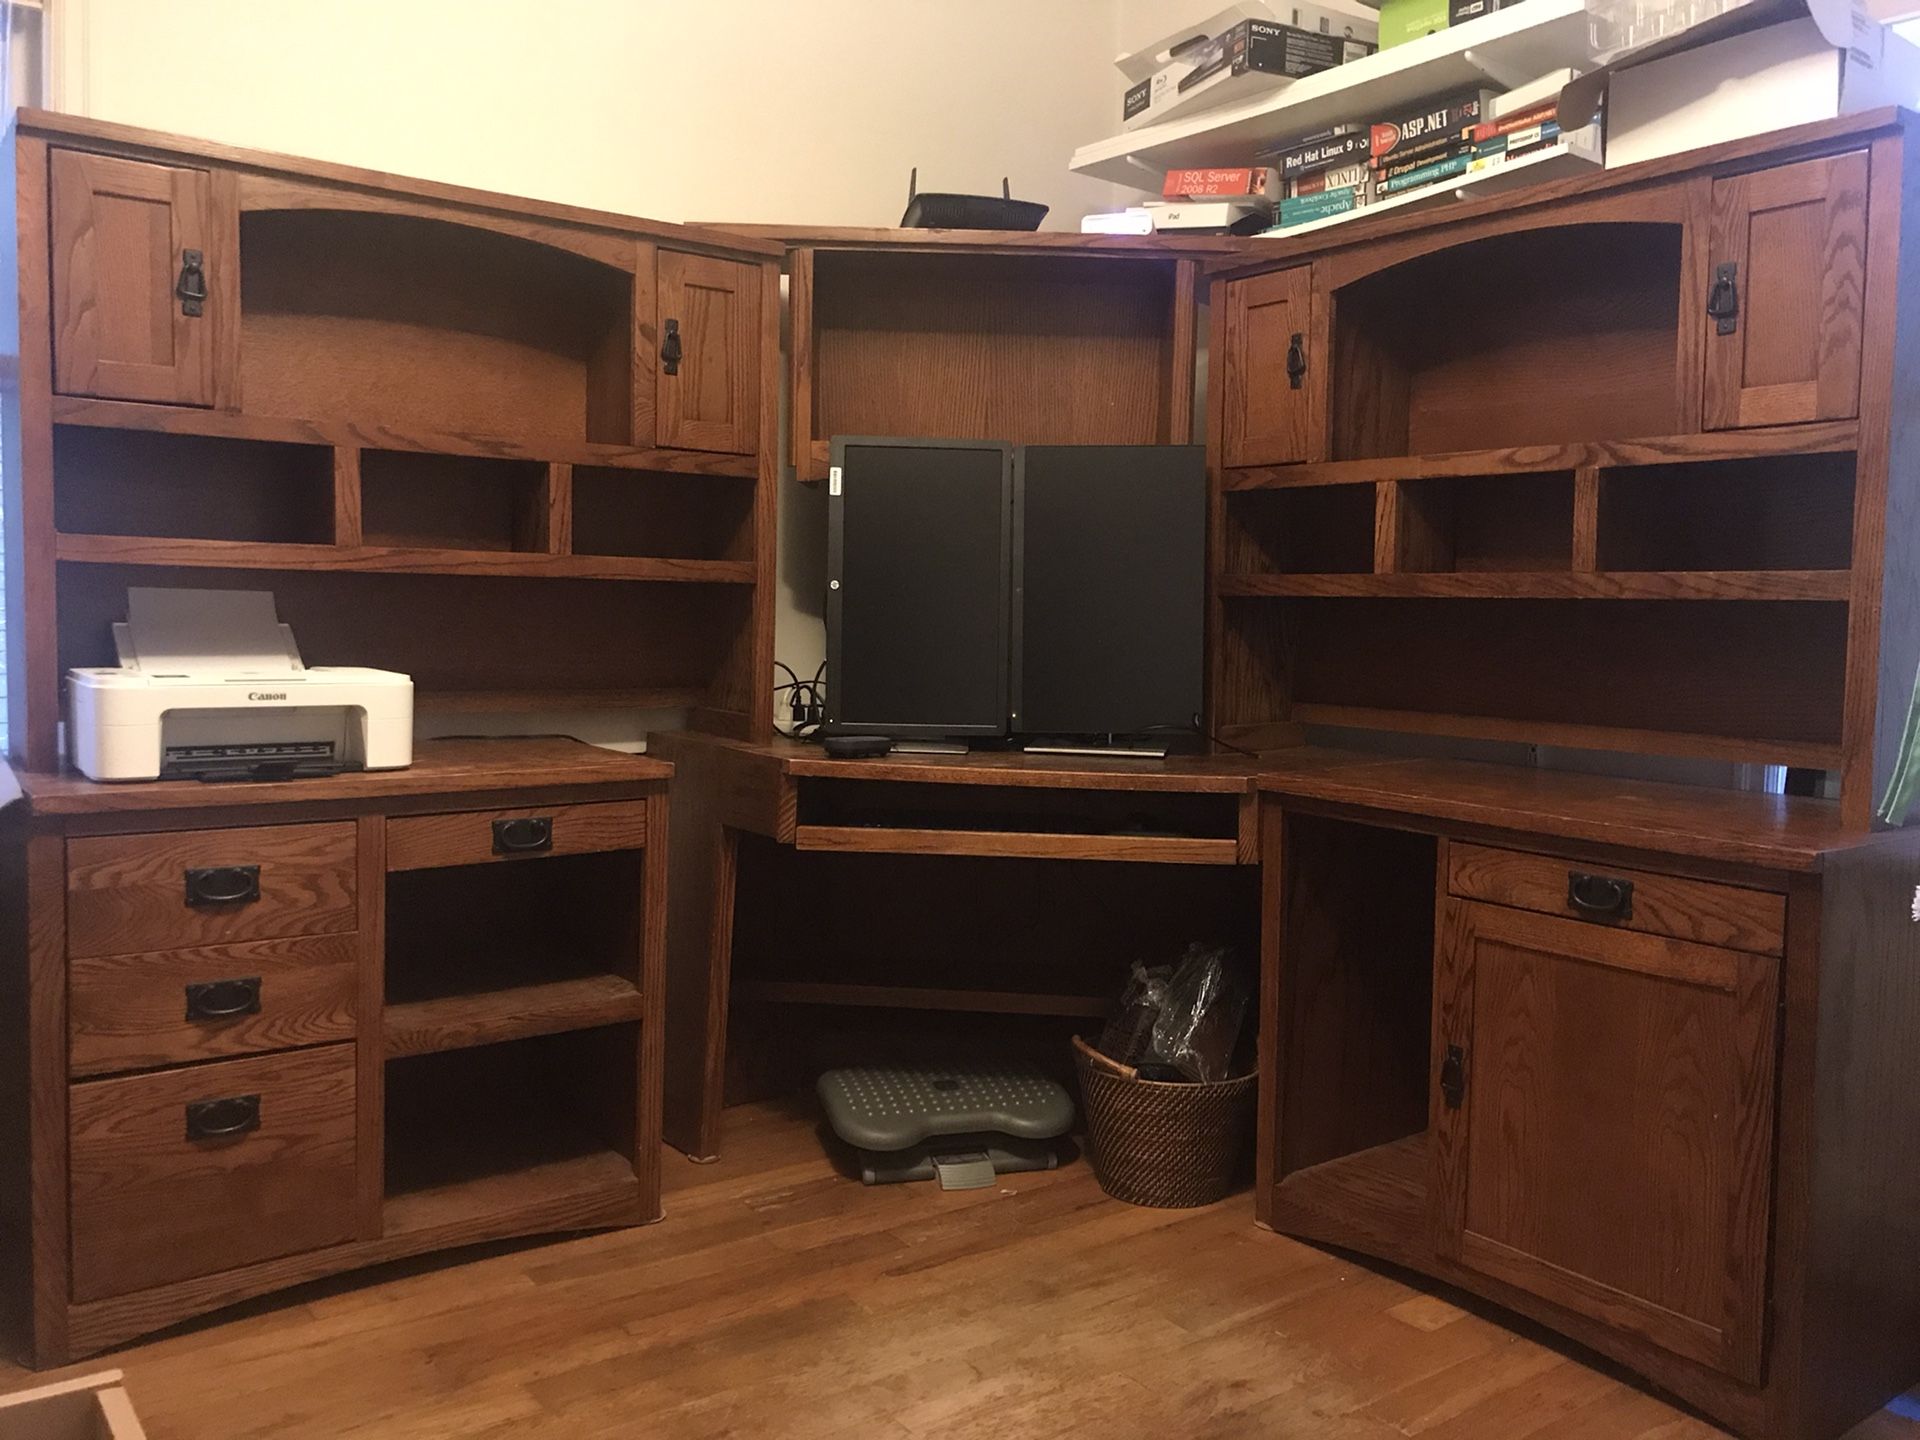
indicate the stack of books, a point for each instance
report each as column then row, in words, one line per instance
column 1334, row 171
column 1217, row 200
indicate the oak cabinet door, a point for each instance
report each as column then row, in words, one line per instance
column 708, row 386
column 1270, row 370
column 1603, row 1124
column 139, row 298
column 1786, row 290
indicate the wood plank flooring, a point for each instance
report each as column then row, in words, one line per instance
column 782, row 1299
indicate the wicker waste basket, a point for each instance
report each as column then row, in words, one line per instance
column 1159, row 1143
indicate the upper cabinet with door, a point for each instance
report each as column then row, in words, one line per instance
column 707, row 394
column 144, row 291
column 1786, row 294
column 1271, row 381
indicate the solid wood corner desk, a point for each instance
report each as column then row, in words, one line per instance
column 274, row 1031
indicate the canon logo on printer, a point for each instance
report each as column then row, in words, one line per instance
column 266, row 694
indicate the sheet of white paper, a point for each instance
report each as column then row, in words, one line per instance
column 234, row 631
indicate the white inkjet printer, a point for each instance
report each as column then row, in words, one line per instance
column 210, row 686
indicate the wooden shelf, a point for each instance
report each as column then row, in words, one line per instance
column 1378, row 1195
column 394, row 560
column 589, row 1189
column 1556, row 162
column 1824, row 437
column 908, row 997
column 1503, row 48
column 175, row 420
column 665, row 697
column 1826, row 585
column 1810, row 754
column 458, row 1022
column 1026, row 845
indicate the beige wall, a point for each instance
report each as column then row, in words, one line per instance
column 756, row 110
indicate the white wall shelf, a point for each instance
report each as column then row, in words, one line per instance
column 1501, row 50
column 1554, row 163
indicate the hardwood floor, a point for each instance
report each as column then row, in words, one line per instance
column 782, row 1299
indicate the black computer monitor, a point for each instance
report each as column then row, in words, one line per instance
column 918, row 574
column 1110, row 556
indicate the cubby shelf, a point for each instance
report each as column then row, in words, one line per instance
column 1831, row 585
column 394, row 559
column 457, row 1022
column 1824, row 437
column 175, row 420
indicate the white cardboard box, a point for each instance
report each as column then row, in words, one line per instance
column 1154, row 71
column 1787, row 74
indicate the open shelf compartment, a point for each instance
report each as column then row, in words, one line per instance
column 511, row 1126
column 657, row 514
column 416, row 323
column 1004, row 936
column 191, row 487
column 452, row 502
column 1579, row 341
column 1776, row 512
column 482, row 953
column 1354, row 994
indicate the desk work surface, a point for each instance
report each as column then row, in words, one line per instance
column 1735, row 827
column 450, row 767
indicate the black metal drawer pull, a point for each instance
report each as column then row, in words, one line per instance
column 670, row 351
column 1599, row 897
column 219, row 1119
column 223, row 999
column 1296, row 360
column 523, row 835
column 192, row 286
column 1723, row 298
column 223, row 885
column 1453, row 1077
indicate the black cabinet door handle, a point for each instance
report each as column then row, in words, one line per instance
column 1453, row 1077
column 219, row 1119
column 223, row 999
column 523, row 835
column 1723, row 297
column 192, row 285
column 1599, row 897
column 223, row 885
column 670, row 349
column 1296, row 360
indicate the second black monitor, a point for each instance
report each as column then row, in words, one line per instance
column 1109, row 590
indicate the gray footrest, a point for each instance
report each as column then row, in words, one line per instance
column 919, row 1122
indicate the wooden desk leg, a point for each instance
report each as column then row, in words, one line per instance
column 699, row 968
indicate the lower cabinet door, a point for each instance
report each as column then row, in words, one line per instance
column 193, row 1171
column 1603, row 1124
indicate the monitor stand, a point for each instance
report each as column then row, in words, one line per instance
column 929, row 747
column 1144, row 750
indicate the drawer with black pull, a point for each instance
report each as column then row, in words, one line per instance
column 170, row 1007
column 190, row 1172
column 424, row 842
column 1683, row 909
column 169, row 891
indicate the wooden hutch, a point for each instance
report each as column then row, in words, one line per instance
column 521, row 451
